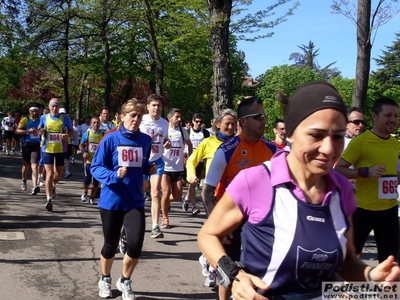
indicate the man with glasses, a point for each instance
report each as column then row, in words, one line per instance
column 355, row 125
column 280, row 135
column 245, row 150
column 196, row 134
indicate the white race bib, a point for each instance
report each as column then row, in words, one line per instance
column 34, row 135
column 130, row 156
column 387, row 187
column 93, row 147
column 54, row 137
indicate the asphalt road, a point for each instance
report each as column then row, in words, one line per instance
column 59, row 256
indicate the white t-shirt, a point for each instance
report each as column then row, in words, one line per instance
column 9, row 123
column 83, row 128
column 75, row 137
column 158, row 131
column 173, row 157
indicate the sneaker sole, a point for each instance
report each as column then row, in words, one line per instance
column 35, row 191
column 49, row 206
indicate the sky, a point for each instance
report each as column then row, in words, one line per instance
column 333, row 34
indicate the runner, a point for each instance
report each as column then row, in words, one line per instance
column 8, row 125
column 157, row 128
column 53, row 127
column 89, row 144
column 120, row 162
column 196, row 134
column 171, row 181
column 27, row 127
column 245, row 150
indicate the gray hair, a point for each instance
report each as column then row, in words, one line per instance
column 225, row 112
column 172, row 111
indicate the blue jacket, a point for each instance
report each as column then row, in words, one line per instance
column 127, row 193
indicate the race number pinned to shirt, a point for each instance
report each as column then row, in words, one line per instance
column 93, row 147
column 387, row 188
column 130, row 156
column 54, row 137
column 34, row 135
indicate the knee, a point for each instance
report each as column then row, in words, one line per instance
column 108, row 251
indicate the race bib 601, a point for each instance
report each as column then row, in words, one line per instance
column 130, row 156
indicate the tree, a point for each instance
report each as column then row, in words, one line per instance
column 220, row 18
column 309, row 59
column 286, row 78
column 366, row 22
column 388, row 73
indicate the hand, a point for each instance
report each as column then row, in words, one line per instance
column 121, row 173
column 193, row 179
column 64, row 136
column 377, row 171
column 226, row 240
column 32, row 130
column 388, row 270
column 153, row 169
column 85, row 155
column 167, row 144
column 246, row 285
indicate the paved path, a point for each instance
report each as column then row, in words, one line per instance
column 59, row 257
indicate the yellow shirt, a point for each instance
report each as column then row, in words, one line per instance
column 368, row 150
column 54, row 129
column 205, row 150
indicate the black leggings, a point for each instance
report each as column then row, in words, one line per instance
column 386, row 230
column 134, row 224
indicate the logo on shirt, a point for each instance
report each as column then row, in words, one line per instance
column 315, row 219
column 244, row 152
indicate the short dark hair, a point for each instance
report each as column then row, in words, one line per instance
column 103, row 108
column 277, row 121
column 377, row 107
column 197, row 115
column 351, row 109
column 245, row 104
column 154, row 97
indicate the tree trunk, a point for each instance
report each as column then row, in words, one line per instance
column 220, row 13
column 363, row 53
column 154, row 49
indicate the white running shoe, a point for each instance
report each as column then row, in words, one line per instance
column 84, row 196
column 23, row 186
column 67, row 174
column 204, row 265
column 211, row 279
column 105, row 287
column 125, row 288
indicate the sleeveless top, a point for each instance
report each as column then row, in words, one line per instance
column 297, row 245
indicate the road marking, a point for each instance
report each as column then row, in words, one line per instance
column 12, row 235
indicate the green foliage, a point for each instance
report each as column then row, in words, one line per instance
column 388, row 73
column 285, row 78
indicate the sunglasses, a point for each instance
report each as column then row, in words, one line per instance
column 258, row 117
column 197, row 121
column 357, row 122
